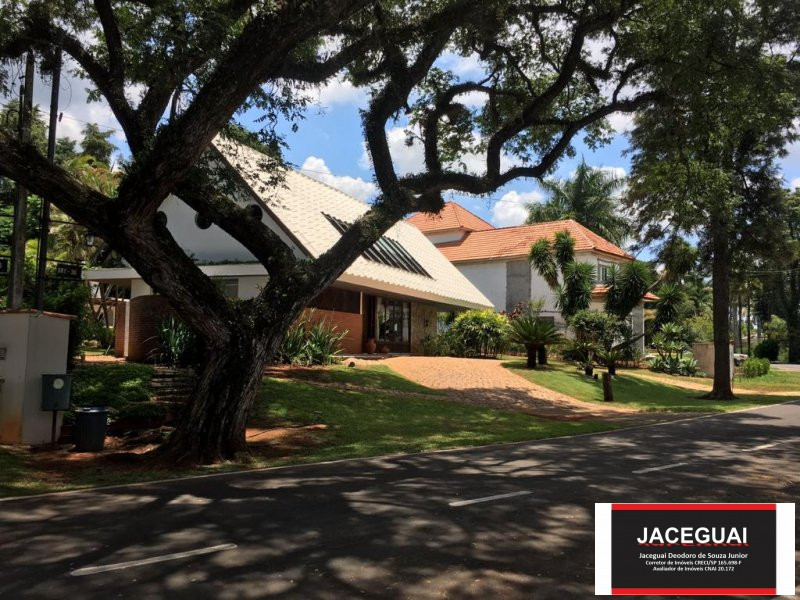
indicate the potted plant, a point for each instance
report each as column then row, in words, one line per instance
column 370, row 345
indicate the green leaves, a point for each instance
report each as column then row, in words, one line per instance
column 542, row 259
column 626, row 287
column 590, row 197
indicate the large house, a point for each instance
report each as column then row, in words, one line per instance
column 495, row 259
column 392, row 293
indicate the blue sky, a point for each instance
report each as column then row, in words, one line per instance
column 329, row 144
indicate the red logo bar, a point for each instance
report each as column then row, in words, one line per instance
column 693, row 591
column 665, row 506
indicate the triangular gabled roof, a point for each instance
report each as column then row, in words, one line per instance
column 452, row 216
column 515, row 242
column 308, row 210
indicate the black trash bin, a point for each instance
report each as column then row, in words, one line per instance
column 90, row 428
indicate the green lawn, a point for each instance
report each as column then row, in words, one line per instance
column 646, row 395
column 774, row 381
column 372, row 376
column 358, row 423
column 367, row 424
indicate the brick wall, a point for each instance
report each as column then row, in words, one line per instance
column 147, row 312
column 353, row 343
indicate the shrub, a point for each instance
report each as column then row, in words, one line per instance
column 311, row 342
column 324, row 343
column 179, row 346
column 437, row 345
column 755, row 367
column 768, row 349
column 596, row 326
column 481, row 333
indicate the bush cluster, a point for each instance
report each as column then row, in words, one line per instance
column 473, row 333
column 676, row 365
column 768, row 348
column 755, row 367
column 311, row 342
column 125, row 388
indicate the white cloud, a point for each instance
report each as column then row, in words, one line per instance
column 354, row 186
column 465, row 67
column 76, row 110
column 512, row 208
column 411, row 158
column 338, row 91
column 794, row 183
column 621, row 122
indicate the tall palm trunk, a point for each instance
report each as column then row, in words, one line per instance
column 532, row 352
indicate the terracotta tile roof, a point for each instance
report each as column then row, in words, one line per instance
column 515, row 242
column 452, row 216
column 601, row 290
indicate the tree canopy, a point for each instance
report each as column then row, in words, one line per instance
column 178, row 74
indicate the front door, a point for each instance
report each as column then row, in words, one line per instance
column 393, row 324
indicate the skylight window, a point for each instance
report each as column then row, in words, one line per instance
column 385, row 251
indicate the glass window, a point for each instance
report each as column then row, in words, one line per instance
column 394, row 320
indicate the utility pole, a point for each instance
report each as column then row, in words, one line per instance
column 44, row 227
column 16, row 278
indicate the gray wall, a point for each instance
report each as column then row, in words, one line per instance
column 518, row 283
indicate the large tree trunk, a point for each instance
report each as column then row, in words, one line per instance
column 720, row 272
column 212, row 428
column 793, row 327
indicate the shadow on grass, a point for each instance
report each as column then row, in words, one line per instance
column 637, row 392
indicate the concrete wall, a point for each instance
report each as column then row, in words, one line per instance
column 518, row 283
column 249, row 287
column 35, row 344
column 704, row 355
column 423, row 323
column 211, row 244
column 490, row 278
column 446, row 236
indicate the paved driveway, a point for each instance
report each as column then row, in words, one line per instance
column 508, row 522
column 486, row 382
column 785, row 367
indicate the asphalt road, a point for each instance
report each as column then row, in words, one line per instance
column 402, row 527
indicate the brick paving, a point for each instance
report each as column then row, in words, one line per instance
column 486, row 382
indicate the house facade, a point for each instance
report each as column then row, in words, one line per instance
column 495, row 259
column 392, row 293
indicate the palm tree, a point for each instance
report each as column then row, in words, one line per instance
column 535, row 334
column 590, row 198
column 578, row 278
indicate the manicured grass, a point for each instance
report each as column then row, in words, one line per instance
column 645, row 395
column 366, row 424
column 357, row 423
column 372, row 376
column 774, row 381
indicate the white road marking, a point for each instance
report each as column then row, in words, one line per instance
column 151, row 560
column 488, row 498
column 762, row 447
column 661, row 468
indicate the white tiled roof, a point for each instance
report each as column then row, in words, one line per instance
column 299, row 205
